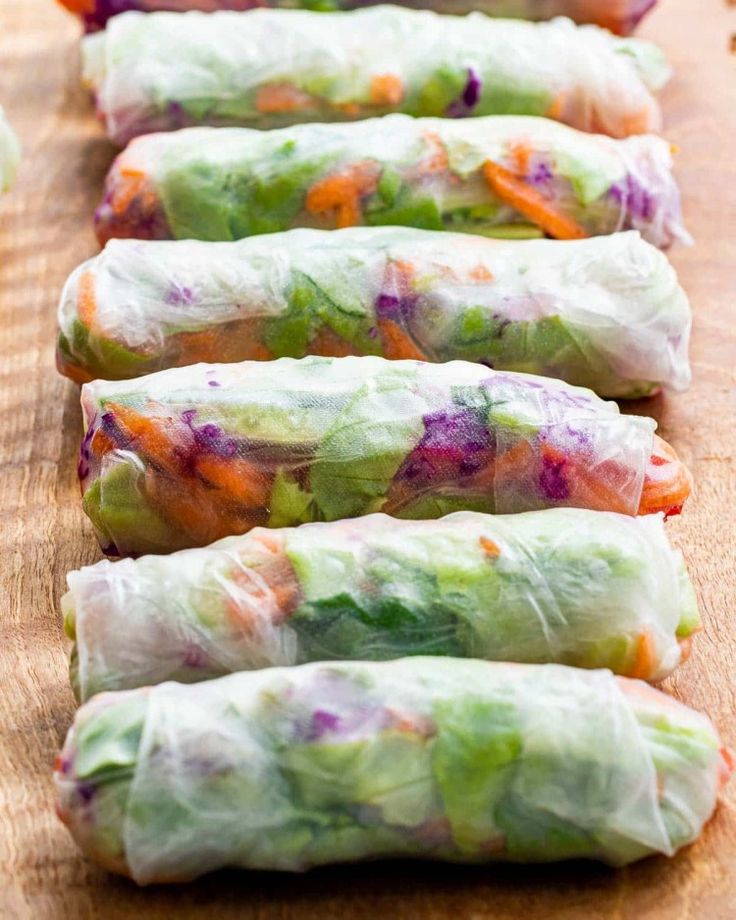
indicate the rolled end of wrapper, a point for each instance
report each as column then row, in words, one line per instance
column 688, row 796
column 131, row 205
column 119, row 795
column 93, row 772
column 648, row 194
column 667, row 481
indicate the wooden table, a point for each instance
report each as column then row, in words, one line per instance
column 44, row 232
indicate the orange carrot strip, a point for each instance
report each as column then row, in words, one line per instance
column 556, row 108
column 529, row 202
column 101, row 443
column 481, row 273
column 150, row 434
column 508, row 465
column 86, row 300
column 386, row 89
column 639, row 122
column 275, row 592
column 243, row 482
column 200, row 346
column 489, row 547
column 330, row 345
column 644, row 660
column 129, row 184
column 193, row 509
column 228, row 342
column 438, row 160
column 282, row 97
column 522, row 152
column 398, row 344
column 342, row 191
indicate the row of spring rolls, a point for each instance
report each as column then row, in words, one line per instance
column 606, row 313
column 460, row 760
column 331, row 759
column 272, row 68
column 621, row 16
column 508, row 176
column 188, row 455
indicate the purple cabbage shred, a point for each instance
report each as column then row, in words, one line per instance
column 468, row 99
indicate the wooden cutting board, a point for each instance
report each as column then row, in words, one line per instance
column 45, row 231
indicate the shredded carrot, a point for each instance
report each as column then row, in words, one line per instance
column 412, row 722
column 644, row 659
column 404, row 267
column 342, row 192
column 194, row 509
column 481, row 273
column 223, row 343
column 151, row 435
column 498, row 469
column 557, row 107
column 258, row 352
column 86, row 300
column 200, row 346
column 667, row 483
column 274, row 591
column 386, row 89
column 639, row 122
column 437, row 160
column 330, row 345
column 272, row 540
column 489, row 547
column 101, row 443
column 128, row 184
column 241, row 481
column 351, row 109
column 522, row 152
column 81, row 7
column 529, row 202
column 282, row 97
column 397, row 343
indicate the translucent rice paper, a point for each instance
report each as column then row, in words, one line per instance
column 273, row 68
column 607, row 313
column 446, row 759
column 188, row 455
column 584, row 588
column 508, row 176
column 9, row 153
column 620, row 16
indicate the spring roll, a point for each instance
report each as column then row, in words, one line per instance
column 272, row 68
column 620, row 16
column 9, row 153
column 465, row 761
column 506, row 176
column 605, row 313
column 586, row 588
column 188, row 455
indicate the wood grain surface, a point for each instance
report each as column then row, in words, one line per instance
column 45, row 231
